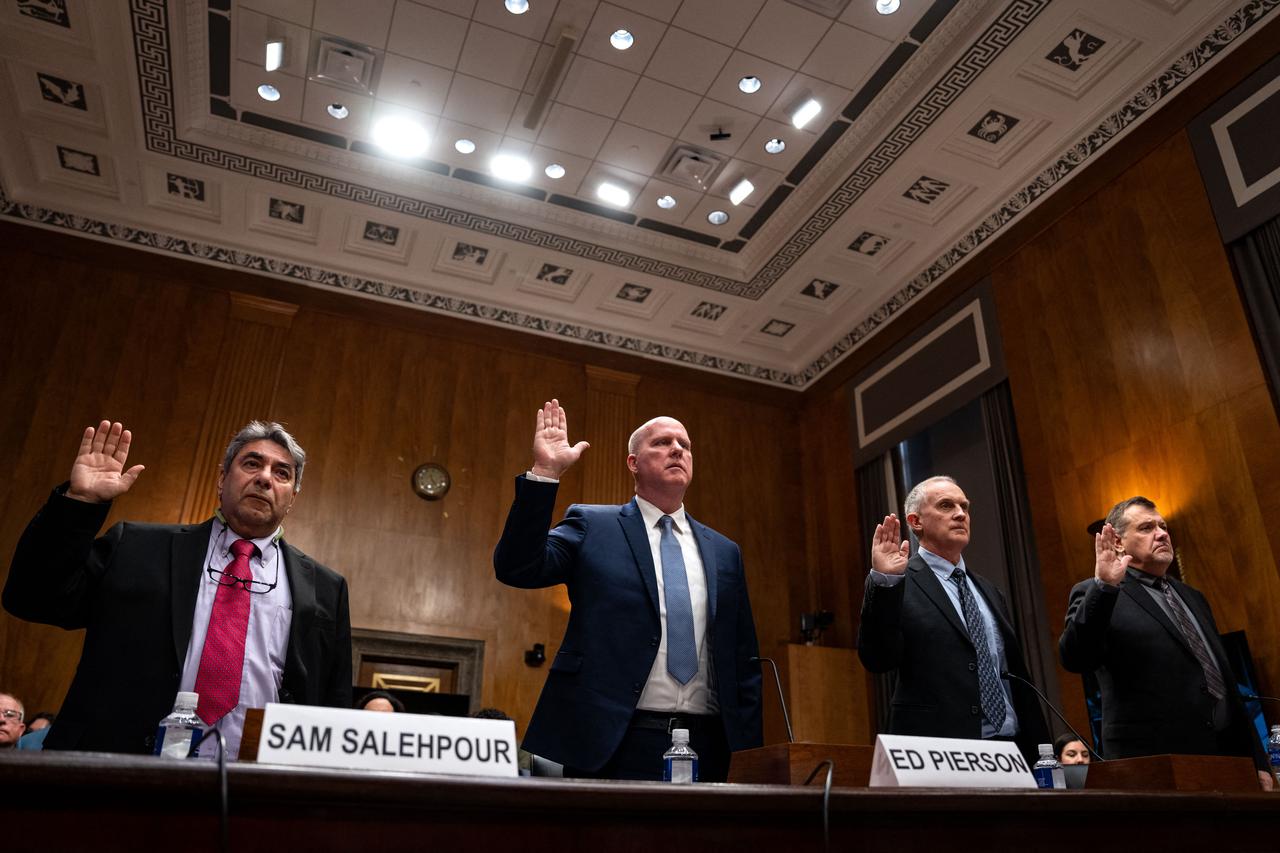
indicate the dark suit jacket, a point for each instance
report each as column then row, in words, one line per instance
column 1155, row 699
column 913, row 627
column 602, row 554
column 134, row 591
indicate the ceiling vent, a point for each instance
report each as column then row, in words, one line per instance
column 829, row 8
column 691, row 166
column 344, row 64
column 557, row 65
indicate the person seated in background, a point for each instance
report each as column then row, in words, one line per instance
column 1069, row 750
column 381, row 700
column 39, row 721
column 11, row 720
column 37, row 730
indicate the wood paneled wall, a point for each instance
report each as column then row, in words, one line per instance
column 1133, row 372
column 369, row 401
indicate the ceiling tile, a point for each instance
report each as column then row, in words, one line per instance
column 724, row 21
column 425, row 120
column 659, row 107
column 532, row 24
column 846, row 56
column 784, row 33
column 366, row 22
column 575, row 169
column 252, row 30
column 798, row 142
column 647, row 203
column 609, row 18
column 663, row 10
column 427, row 34
column 596, row 87
column 497, row 56
column 711, row 117
column 448, row 132
column 245, row 79
column 515, row 127
column 315, row 110
column 599, row 172
column 832, row 97
column 294, row 11
column 697, row 219
column 574, row 131
column 414, row 84
column 773, row 78
column 463, row 8
column 734, row 171
column 892, row 28
column 634, row 148
column 481, row 103
column 688, row 61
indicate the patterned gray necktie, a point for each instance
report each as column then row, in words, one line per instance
column 682, row 654
column 1182, row 619
column 989, row 688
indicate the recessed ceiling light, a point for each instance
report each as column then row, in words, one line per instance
column 555, row 171
column 887, row 7
column 717, row 217
column 401, row 136
column 775, row 146
column 621, row 39
column 666, row 202
column 464, row 146
column 740, row 191
column 517, row 7
column 749, row 85
column 510, row 167
column 805, row 113
column 268, row 92
column 613, row 194
column 275, row 55
column 338, row 111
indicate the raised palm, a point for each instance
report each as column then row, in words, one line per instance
column 889, row 554
column 552, row 453
column 98, row 474
column 1109, row 565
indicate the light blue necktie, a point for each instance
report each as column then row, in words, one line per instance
column 682, row 654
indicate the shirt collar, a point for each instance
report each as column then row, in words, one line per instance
column 1143, row 578
column 941, row 565
column 651, row 514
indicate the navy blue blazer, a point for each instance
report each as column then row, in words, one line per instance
column 602, row 554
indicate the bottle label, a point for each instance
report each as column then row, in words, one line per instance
column 1044, row 777
column 176, row 741
column 681, row 771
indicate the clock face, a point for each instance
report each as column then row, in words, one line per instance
column 431, row 481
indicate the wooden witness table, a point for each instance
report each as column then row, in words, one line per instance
column 72, row 801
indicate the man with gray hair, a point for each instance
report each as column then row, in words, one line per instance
column 945, row 630
column 225, row 608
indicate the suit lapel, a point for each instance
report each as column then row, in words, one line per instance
column 638, row 538
column 919, row 570
column 710, row 568
column 186, row 568
column 1142, row 597
column 302, row 589
column 993, row 603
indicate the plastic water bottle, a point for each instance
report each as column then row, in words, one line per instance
column 680, row 763
column 179, row 733
column 1048, row 771
column 1273, row 751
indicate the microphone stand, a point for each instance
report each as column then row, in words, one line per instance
column 1050, row 706
column 782, row 700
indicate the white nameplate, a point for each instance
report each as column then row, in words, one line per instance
column 902, row 761
column 308, row 736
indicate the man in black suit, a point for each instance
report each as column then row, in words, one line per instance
column 660, row 633
column 944, row 629
column 1167, row 686
column 225, row 608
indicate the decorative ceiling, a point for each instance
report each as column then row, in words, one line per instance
column 145, row 123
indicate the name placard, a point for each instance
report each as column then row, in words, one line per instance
column 307, row 736
column 903, row 761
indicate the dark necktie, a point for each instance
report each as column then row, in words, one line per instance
column 1182, row 619
column 992, row 694
column 222, row 659
column 682, row 653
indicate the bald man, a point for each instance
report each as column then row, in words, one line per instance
column 660, row 633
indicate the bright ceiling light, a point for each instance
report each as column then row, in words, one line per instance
column 666, row 202
column 775, row 146
column 338, row 111
column 613, row 194
column 749, row 85
column 554, row 171
column 717, row 217
column 401, row 136
column 464, row 146
column 275, row 54
column 510, row 167
column 740, row 191
column 268, row 92
column 517, row 7
column 805, row 113
column 621, row 39
column 887, row 7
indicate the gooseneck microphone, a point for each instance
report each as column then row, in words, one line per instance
column 782, row 700
column 1045, row 699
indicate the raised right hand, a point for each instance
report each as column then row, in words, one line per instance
column 1109, row 565
column 552, row 453
column 98, row 474
column 887, row 555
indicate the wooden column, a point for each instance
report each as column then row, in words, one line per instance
column 242, row 389
column 611, row 417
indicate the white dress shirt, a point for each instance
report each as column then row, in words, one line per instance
column 270, row 616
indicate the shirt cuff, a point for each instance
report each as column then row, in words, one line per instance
column 881, row 579
column 1104, row 586
column 529, row 475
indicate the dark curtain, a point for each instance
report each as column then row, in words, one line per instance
column 1257, row 262
column 875, row 501
column 1026, row 595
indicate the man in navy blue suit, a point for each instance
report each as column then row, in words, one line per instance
column 660, row 633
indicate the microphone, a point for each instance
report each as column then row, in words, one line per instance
column 1045, row 699
column 1252, row 695
column 782, row 700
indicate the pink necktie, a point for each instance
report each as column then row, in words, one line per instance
column 222, row 661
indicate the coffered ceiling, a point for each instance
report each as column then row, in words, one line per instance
column 141, row 122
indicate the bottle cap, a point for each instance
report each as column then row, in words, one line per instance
column 186, row 699
column 1046, row 750
column 679, row 735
